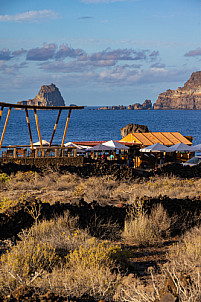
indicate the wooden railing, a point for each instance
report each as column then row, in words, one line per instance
column 26, row 151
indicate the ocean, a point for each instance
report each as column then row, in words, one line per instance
column 91, row 124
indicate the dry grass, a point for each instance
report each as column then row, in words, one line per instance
column 143, row 229
column 187, row 253
column 172, row 187
column 53, row 187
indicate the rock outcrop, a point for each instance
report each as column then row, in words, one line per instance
column 49, row 95
column 133, row 128
column 147, row 105
column 120, row 107
column 186, row 98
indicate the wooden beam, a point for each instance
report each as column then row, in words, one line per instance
column 66, row 127
column 55, row 127
column 29, row 127
column 1, row 112
column 5, row 126
column 41, row 107
column 38, row 128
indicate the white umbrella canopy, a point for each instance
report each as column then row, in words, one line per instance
column 197, row 147
column 156, row 148
column 181, row 147
column 79, row 148
column 44, row 143
column 101, row 147
column 116, row 145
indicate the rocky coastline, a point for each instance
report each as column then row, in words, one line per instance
column 147, row 105
column 187, row 97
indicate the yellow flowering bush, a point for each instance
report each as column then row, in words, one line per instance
column 6, row 203
column 93, row 254
column 4, row 178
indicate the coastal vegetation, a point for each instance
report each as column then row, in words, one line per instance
column 99, row 239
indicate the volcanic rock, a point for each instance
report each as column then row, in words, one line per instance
column 49, row 95
column 133, row 128
column 186, row 98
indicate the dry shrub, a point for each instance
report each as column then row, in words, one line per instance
column 170, row 285
column 88, row 270
column 98, row 188
column 187, row 253
column 24, row 262
column 93, row 253
column 143, row 229
column 132, row 289
column 104, row 229
column 62, row 233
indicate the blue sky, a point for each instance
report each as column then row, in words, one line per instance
column 98, row 52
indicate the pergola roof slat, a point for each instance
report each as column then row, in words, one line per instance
column 40, row 107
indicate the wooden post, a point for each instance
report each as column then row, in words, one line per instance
column 1, row 112
column 28, row 124
column 66, row 127
column 15, row 152
column 38, row 129
column 55, row 127
column 5, row 126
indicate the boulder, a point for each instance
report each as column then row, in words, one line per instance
column 133, row 128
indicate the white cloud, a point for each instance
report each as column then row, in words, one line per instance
column 33, row 16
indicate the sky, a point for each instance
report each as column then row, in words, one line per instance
column 98, row 52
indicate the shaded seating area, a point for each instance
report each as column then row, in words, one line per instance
column 41, row 148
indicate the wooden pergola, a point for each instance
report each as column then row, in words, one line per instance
column 35, row 108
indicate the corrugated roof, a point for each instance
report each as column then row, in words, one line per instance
column 150, row 138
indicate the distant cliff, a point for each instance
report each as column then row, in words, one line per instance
column 187, row 97
column 49, row 95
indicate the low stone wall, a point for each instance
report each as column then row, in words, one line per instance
column 44, row 161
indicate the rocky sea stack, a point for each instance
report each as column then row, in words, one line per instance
column 49, row 95
column 186, row 98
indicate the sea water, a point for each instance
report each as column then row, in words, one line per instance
column 91, row 124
